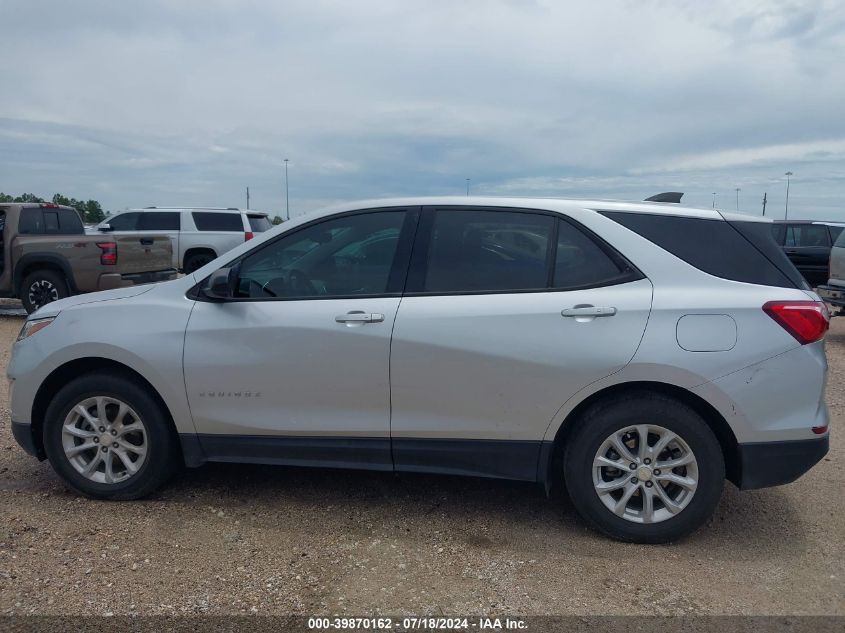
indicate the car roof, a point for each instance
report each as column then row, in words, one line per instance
column 548, row 204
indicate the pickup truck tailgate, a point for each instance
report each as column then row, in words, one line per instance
column 141, row 253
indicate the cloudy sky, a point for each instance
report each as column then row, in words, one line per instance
column 168, row 103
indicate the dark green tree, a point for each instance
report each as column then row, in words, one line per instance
column 277, row 220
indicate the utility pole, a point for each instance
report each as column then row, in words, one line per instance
column 247, row 198
column 786, row 208
column 467, row 187
column 714, row 199
column 287, row 196
column 764, row 204
column 737, row 199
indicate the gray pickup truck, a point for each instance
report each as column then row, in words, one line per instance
column 833, row 292
column 45, row 255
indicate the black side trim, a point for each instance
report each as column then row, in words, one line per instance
column 326, row 452
column 767, row 464
column 192, row 452
column 150, row 277
column 502, row 459
column 23, row 436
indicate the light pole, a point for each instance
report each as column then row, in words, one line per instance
column 737, row 199
column 467, row 187
column 786, row 208
column 714, row 199
column 287, row 197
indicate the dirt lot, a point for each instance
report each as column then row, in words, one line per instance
column 246, row 539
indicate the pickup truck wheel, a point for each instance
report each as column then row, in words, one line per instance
column 644, row 468
column 42, row 287
column 197, row 261
column 108, row 438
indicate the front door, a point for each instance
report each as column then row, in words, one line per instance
column 507, row 314
column 295, row 369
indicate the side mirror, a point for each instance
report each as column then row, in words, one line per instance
column 220, row 286
column 105, row 228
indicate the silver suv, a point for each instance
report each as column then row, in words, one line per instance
column 198, row 234
column 640, row 353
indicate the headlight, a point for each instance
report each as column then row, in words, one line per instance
column 31, row 327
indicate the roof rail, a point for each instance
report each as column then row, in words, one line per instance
column 668, row 196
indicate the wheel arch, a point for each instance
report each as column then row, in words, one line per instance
column 74, row 369
column 31, row 262
column 198, row 250
column 551, row 460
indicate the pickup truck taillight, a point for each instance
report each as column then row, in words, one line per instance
column 108, row 256
column 807, row 321
column 248, row 236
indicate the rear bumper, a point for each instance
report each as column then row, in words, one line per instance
column 24, row 437
column 109, row 281
column 766, row 464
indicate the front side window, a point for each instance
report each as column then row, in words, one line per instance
column 124, row 222
column 488, row 251
column 342, row 257
column 217, row 221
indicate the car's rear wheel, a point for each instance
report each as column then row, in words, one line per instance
column 108, row 438
column 644, row 468
column 42, row 287
column 196, row 261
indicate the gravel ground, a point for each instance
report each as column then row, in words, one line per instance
column 244, row 539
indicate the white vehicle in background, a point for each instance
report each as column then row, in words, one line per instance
column 199, row 234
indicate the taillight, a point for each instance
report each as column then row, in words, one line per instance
column 108, row 257
column 807, row 321
column 248, row 236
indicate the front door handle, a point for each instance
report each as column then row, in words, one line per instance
column 358, row 317
column 588, row 311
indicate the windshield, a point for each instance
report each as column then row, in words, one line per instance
column 259, row 223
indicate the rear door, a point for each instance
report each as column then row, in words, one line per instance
column 507, row 313
column 808, row 246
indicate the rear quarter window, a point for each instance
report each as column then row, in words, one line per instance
column 259, row 223
column 210, row 221
column 738, row 251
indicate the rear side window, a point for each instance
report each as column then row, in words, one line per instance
column 258, row 223
column 210, row 221
column 581, row 262
column 488, row 251
column 717, row 247
column 840, row 241
column 835, row 232
column 807, row 235
column 159, row 221
column 37, row 221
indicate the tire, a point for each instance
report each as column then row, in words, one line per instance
column 158, row 438
column 42, row 287
column 591, row 445
column 197, row 260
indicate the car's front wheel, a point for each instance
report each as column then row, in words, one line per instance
column 108, row 438
column 644, row 468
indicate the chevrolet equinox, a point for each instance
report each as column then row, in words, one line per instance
column 637, row 353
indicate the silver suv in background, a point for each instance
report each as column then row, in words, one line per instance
column 833, row 293
column 640, row 353
column 198, row 234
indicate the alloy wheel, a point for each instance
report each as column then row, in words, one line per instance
column 645, row 473
column 104, row 439
column 42, row 292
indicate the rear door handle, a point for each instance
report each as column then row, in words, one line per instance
column 359, row 317
column 147, row 241
column 588, row 311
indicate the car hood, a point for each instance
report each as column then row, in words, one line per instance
column 52, row 309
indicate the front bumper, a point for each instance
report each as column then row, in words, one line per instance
column 765, row 464
column 24, row 437
column 834, row 297
column 110, row 281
